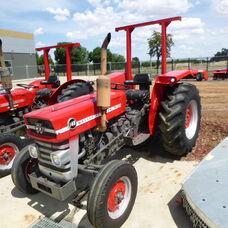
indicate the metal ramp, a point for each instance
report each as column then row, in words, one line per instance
column 205, row 190
column 49, row 223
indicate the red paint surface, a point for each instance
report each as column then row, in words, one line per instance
column 9, row 152
column 113, row 203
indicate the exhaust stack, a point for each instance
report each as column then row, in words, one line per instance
column 103, row 86
column 6, row 78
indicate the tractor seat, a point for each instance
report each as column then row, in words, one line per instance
column 52, row 80
column 139, row 79
column 137, row 95
column 44, row 92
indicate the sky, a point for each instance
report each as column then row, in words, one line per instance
column 202, row 32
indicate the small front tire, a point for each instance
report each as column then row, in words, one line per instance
column 23, row 166
column 112, row 195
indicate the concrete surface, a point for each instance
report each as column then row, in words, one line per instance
column 159, row 179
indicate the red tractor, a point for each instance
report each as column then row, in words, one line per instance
column 15, row 103
column 74, row 140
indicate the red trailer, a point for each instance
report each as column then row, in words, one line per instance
column 77, row 135
column 220, row 74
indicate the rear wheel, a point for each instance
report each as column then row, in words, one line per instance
column 10, row 145
column 112, row 195
column 199, row 76
column 74, row 90
column 23, row 166
column 180, row 119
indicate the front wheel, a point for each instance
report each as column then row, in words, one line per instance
column 23, row 166
column 112, row 195
column 10, row 145
column 180, row 118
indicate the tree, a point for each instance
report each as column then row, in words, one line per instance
column 135, row 59
column 135, row 62
column 116, row 58
column 95, row 55
column 220, row 55
column 40, row 59
column 155, row 43
column 79, row 55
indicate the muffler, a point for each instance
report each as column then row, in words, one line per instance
column 103, row 86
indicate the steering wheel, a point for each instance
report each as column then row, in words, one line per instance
column 28, row 86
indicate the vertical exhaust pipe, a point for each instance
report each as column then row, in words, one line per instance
column 103, row 86
column 6, row 78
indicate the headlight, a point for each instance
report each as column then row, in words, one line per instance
column 33, row 151
column 55, row 160
column 172, row 80
column 60, row 157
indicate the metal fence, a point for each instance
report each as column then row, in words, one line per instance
column 209, row 63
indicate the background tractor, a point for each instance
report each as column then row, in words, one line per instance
column 76, row 137
column 14, row 103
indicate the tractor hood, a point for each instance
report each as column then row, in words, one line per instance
column 20, row 98
column 61, row 121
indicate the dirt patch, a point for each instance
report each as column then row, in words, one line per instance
column 29, row 218
column 214, row 123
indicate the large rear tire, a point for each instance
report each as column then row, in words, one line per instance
column 180, row 118
column 23, row 166
column 10, row 145
column 75, row 90
column 112, row 195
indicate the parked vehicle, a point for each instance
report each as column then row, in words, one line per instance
column 14, row 103
column 75, row 137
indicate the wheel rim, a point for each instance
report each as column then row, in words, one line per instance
column 191, row 119
column 119, row 197
column 7, row 154
column 30, row 167
column 188, row 117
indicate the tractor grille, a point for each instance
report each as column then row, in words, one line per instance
column 41, row 127
column 195, row 219
column 45, row 149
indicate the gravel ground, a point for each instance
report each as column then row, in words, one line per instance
column 214, row 123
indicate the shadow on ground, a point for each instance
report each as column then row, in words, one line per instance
column 178, row 213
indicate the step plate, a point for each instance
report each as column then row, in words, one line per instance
column 49, row 223
column 206, row 188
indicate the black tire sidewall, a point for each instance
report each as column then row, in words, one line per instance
column 110, row 184
column 199, row 76
column 105, row 186
column 190, row 142
column 18, row 172
column 74, row 90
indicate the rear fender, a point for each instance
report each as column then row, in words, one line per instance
column 156, row 99
column 53, row 98
column 159, row 91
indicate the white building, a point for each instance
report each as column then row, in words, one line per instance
column 19, row 53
